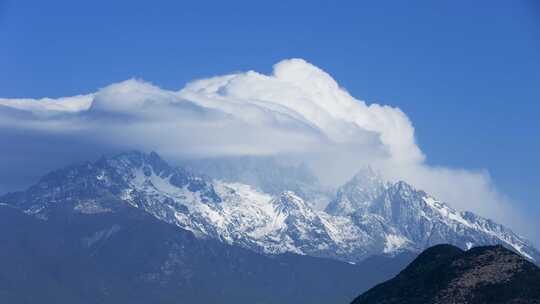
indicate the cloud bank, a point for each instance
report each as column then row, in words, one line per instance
column 298, row 112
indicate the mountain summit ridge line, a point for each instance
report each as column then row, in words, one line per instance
column 367, row 217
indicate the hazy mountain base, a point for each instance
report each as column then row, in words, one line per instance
column 130, row 257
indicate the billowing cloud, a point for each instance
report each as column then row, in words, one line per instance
column 299, row 111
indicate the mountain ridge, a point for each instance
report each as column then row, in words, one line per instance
column 386, row 218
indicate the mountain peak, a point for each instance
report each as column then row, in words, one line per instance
column 358, row 193
column 402, row 185
column 140, row 159
column 288, row 201
column 367, row 173
column 399, row 211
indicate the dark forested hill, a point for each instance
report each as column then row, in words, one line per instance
column 446, row 274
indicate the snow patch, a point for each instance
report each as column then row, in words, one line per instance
column 394, row 242
column 90, row 207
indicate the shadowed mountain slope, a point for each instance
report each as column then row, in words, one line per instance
column 446, row 274
column 131, row 257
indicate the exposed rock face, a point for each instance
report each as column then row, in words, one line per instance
column 445, row 274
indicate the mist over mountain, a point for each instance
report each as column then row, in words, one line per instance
column 296, row 114
column 267, row 174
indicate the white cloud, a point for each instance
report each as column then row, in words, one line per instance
column 310, row 95
column 299, row 110
column 47, row 105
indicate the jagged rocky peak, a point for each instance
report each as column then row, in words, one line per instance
column 398, row 199
column 151, row 172
column 108, row 170
column 367, row 175
column 406, row 218
column 289, row 202
column 133, row 177
column 149, row 163
column 358, row 193
column 404, row 189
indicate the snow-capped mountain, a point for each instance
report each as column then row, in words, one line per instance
column 402, row 217
column 267, row 174
column 358, row 194
column 367, row 217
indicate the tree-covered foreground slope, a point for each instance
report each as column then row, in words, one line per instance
column 445, row 274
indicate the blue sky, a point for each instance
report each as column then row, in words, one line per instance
column 466, row 73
